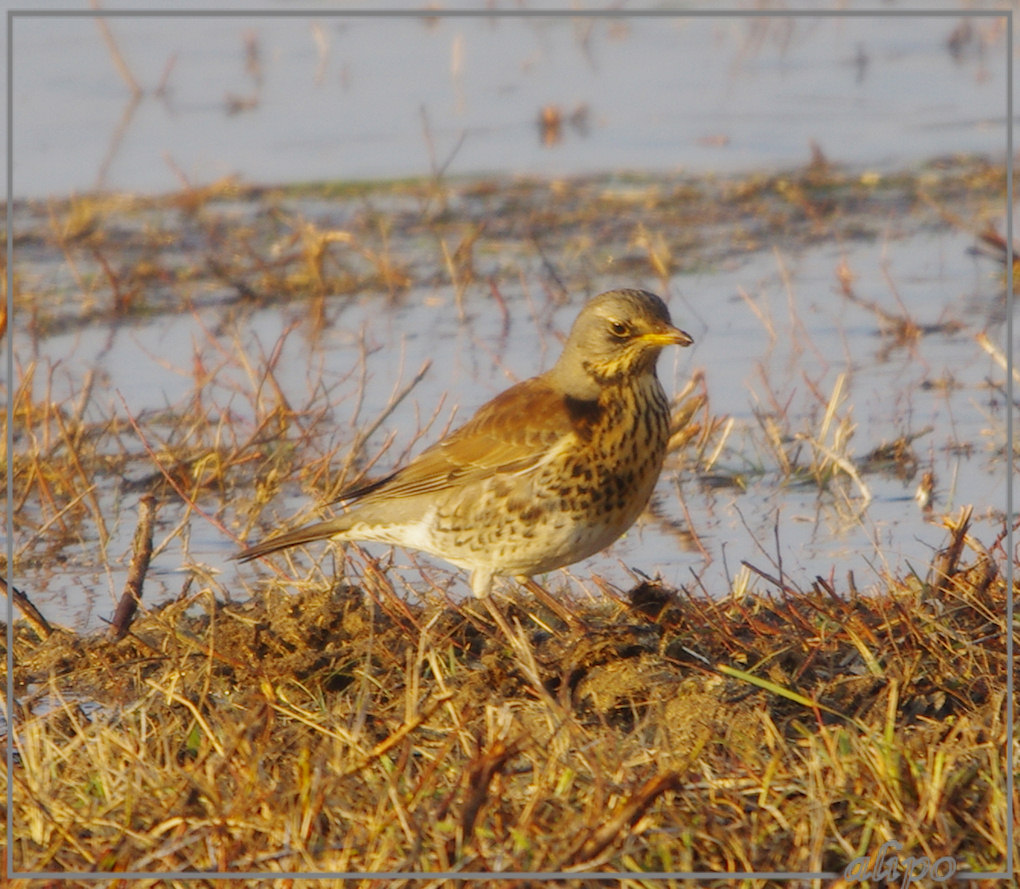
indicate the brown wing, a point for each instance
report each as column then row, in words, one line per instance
column 510, row 434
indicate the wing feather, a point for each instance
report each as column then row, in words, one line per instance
column 509, row 435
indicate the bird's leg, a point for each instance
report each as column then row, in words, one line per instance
column 561, row 611
column 501, row 621
column 481, row 586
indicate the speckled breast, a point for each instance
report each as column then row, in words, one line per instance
column 572, row 505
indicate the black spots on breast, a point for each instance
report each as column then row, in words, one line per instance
column 531, row 513
column 608, row 492
column 581, row 471
column 618, row 489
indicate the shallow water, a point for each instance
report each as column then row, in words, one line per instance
column 773, row 337
column 303, row 98
column 329, row 100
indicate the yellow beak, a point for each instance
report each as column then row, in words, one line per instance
column 668, row 336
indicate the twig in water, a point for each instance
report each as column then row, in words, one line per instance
column 141, row 554
column 32, row 614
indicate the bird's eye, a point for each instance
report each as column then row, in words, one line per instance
column 619, row 329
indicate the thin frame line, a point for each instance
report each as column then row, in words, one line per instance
column 441, row 875
column 509, row 13
column 9, row 486
column 519, row 13
column 1010, row 271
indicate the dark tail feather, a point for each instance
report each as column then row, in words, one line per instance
column 316, row 531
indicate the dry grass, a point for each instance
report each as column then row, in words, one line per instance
column 337, row 730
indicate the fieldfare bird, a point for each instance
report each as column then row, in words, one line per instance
column 549, row 472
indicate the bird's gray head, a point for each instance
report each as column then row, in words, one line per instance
column 618, row 335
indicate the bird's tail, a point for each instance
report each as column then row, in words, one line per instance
column 306, row 534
